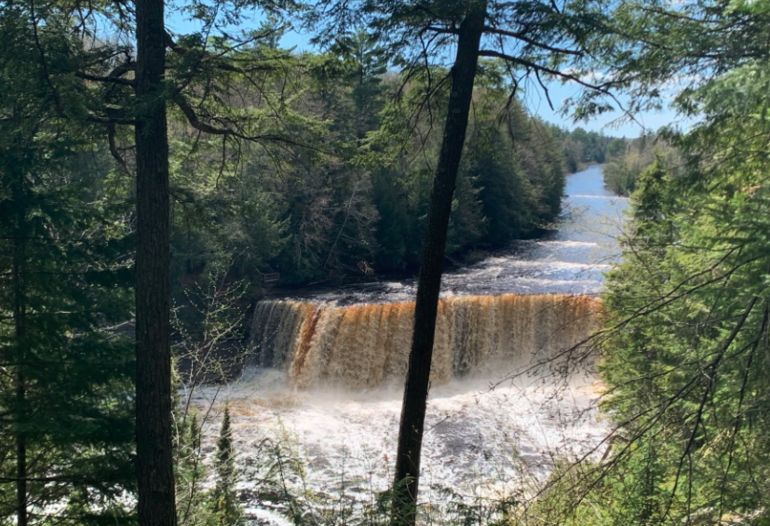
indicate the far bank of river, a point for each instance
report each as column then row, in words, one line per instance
column 569, row 259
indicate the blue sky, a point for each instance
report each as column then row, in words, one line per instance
column 533, row 96
column 606, row 123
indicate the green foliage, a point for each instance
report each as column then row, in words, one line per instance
column 686, row 322
column 350, row 200
column 518, row 177
column 224, row 502
column 632, row 492
column 393, row 226
column 582, row 148
column 687, row 314
column 65, row 393
column 197, row 503
column 626, row 165
column 190, row 470
column 314, row 166
column 511, row 180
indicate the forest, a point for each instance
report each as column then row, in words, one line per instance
column 177, row 182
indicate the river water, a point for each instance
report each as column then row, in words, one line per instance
column 569, row 260
column 488, row 436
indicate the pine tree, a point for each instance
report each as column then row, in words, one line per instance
column 190, row 471
column 227, row 510
column 66, row 404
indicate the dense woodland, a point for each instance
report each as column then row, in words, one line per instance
column 149, row 181
column 351, row 201
column 627, row 161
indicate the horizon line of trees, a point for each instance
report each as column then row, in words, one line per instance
column 630, row 159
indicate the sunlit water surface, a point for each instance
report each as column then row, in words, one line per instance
column 570, row 259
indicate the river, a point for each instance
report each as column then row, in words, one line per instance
column 328, row 390
column 570, row 259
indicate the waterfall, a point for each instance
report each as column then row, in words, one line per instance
column 364, row 346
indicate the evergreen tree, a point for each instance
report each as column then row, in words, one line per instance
column 226, row 509
column 65, row 394
column 687, row 311
column 506, row 196
column 190, row 471
column 624, row 167
column 393, row 227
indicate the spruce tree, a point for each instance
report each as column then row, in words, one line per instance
column 190, row 471
column 65, row 395
column 227, row 510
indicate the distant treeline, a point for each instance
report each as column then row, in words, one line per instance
column 351, row 200
column 629, row 159
column 582, row 148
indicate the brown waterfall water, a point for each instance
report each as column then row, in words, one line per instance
column 365, row 346
column 510, row 393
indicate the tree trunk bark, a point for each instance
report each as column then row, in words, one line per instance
column 21, row 442
column 21, row 457
column 154, row 464
column 19, row 321
column 410, row 433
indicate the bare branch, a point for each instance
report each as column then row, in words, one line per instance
column 519, row 35
column 603, row 87
column 111, row 79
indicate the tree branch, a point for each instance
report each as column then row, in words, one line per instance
column 112, row 79
column 205, row 127
column 521, row 36
column 111, row 132
column 603, row 87
column 442, row 30
column 208, row 57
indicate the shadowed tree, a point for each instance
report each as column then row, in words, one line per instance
column 544, row 40
column 66, row 417
column 154, row 456
column 114, row 86
column 227, row 510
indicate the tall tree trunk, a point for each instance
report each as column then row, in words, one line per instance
column 155, row 475
column 19, row 323
column 21, row 456
column 21, row 442
column 431, row 260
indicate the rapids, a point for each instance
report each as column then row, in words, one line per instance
column 512, row 388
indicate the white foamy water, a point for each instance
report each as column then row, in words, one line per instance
column 481, row 441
